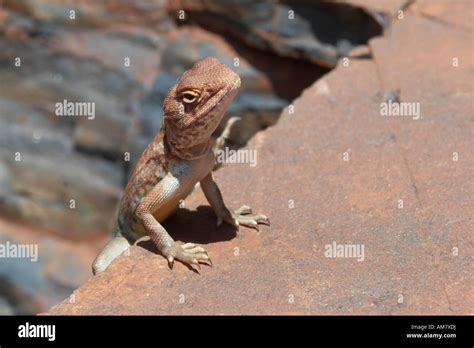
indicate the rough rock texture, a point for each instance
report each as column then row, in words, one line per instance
column 335, row 170
column 65, row 158
column 146, row 13
column 450, row 13
column 29, row 286
column 61, row 177
column 386, row 7
column 320, row 32
column 81, row 57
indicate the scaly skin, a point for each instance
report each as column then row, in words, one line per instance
column 179, row 157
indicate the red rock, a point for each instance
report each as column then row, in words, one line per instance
column 61, row 265
column 389, row 7
column 362, row 51
column 143, row 62
column 425, row 74
column 455, row 12
column 96, row 13
column 417, row 259
column 316, row 32
column 409, row 265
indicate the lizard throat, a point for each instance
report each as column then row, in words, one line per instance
column 186, row 153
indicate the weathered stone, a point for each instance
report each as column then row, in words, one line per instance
column 76, row 199
column 138, row 61
column 29, row 285
column 455, row 12
column 28, row 94
column 362, row 52
column 71, row 161
column 387, row 7
column 320, row 32
column 96, row 13
column 437, row 149
column 334, row 171
column 416, row 257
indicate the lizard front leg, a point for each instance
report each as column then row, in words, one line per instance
column 240, row 216
column 157, row 198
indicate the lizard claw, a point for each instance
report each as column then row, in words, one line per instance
column 243, row 210
column 170, row 261
column 196, row 262
column 243, row 217
column 188, row 253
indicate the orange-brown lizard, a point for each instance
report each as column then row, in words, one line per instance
column 179, row 156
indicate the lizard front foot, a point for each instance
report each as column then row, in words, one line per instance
column 188, row 253
column 243, row 216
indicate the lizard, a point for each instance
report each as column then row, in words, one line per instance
column 179, row 156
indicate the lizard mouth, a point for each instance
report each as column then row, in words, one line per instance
column 235, row 86
column 231, row 89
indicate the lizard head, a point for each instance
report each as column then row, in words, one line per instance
column 195, row 105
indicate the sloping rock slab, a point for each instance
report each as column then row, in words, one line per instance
column 333, row 172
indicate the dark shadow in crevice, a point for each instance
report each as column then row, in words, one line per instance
column 334, row 27
column 338, row 24
column 288, row 76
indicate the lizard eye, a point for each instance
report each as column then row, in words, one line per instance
column 190, row 97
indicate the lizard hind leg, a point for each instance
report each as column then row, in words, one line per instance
column 109, row 253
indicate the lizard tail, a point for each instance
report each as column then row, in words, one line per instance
column 109, row 253
column 221, row 140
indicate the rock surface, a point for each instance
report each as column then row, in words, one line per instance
column 124, row 57
column 29, row 285
column 61, row 177
column 320, row 32
column 334, row 170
